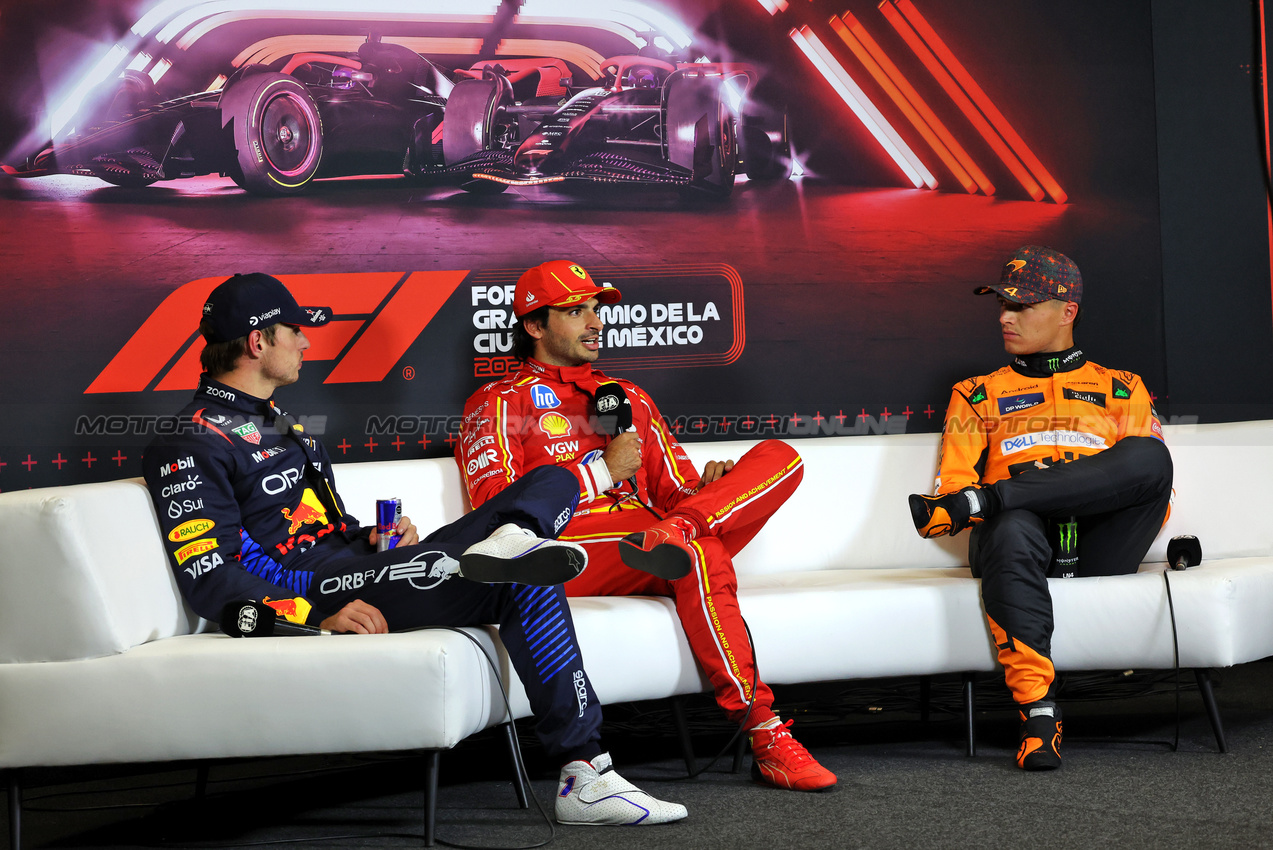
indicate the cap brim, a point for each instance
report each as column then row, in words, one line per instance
column 604, row 294
column 1037, row 298
column 308, row 317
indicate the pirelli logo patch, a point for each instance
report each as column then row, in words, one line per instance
column 1097, row 399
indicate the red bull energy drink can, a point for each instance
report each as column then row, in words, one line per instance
column 388, row 514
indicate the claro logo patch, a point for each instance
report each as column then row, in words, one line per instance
column 392, row 310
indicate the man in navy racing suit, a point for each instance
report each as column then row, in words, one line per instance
column 248, row 505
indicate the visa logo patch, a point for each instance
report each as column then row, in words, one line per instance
column 1016, row 403
column 543, row 397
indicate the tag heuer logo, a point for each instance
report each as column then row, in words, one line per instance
column 249, row 433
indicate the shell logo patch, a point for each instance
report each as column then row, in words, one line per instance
column 555, row 425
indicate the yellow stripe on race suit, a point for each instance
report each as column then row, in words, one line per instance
column 665, row 443
column 501, row 436
column 718, row 628
column 755, row 492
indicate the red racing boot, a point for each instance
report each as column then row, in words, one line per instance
column 663, row 549
column 783, row 762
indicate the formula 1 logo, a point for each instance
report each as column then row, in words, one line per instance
column 387, row 311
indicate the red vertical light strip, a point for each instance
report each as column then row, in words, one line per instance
column 1268, row 147
column 961, row 100
column 948, row 138
column 1014, row 140
column 881, row 77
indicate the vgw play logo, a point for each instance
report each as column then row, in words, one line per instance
column 378, row 316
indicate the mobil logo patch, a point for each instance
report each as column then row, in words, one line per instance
column 543, row 397
column 1017, row 403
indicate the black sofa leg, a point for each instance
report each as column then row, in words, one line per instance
column 515, row 754
column 201, row 781
column 683, row 733
column 970, row 703
column 15, row 811
column 1213, row 710
column 740, row 751
column 431, row 761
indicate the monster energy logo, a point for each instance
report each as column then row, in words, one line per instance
column 1054, row 363
column 1068, row 532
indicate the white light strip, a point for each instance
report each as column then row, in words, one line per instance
column 415, row 9
column 106, row 68
column 863, row 108
column 140, row 61
column 157, row 15
column 641, row 17
column 161, row 68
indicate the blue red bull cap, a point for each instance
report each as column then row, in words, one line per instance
column 248, row 302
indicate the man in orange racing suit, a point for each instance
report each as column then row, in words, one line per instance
column 641, row 501
column 1058, row 465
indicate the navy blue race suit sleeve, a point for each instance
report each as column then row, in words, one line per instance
column 191, row 487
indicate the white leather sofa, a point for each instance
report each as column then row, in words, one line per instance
column 100, row 660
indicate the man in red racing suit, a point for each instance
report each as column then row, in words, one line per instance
column 641, row 501
column 1058, row 465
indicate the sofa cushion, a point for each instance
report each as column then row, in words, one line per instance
column 84, row 573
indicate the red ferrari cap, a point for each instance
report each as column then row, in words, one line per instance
column 558, row 283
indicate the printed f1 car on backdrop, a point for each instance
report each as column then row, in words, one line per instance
column 830, row 293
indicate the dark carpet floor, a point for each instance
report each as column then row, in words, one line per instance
column 904, row 782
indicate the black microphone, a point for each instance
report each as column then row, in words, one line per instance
column 249, row 618
column 1184, row 551
column 614, row 410
column 614, row 414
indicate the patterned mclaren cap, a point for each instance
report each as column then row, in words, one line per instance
column 1034, row 274
column 558, row 283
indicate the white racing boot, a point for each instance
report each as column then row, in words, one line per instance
column 515, row 554
column 592, row 793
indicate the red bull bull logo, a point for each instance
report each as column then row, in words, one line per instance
column 309, row 511
column 294, row 610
